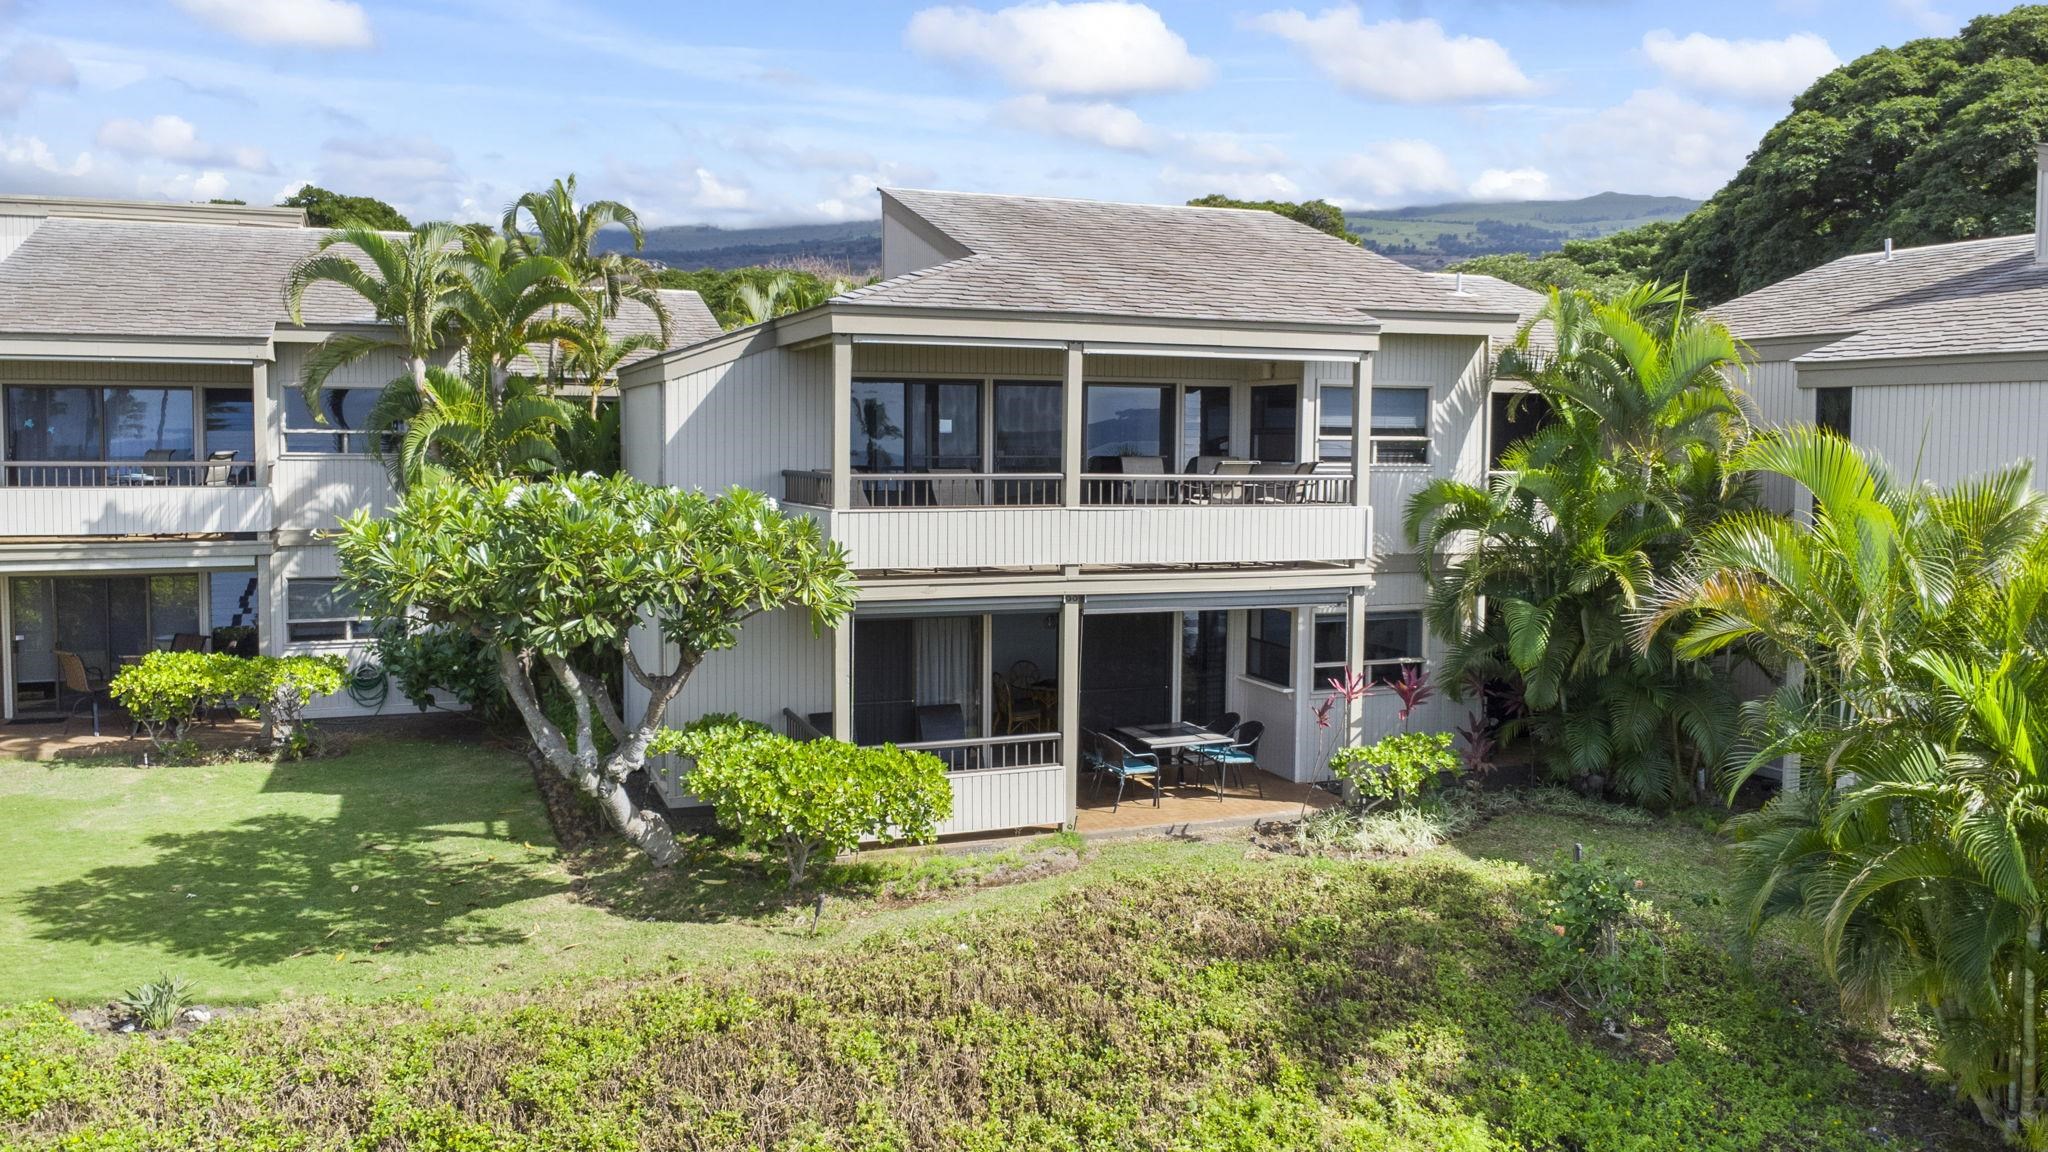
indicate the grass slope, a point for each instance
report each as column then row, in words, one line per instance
column 1229, row 1003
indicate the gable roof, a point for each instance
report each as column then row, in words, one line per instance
column 1965, row 298
column 1086, row 257
column 140, row 278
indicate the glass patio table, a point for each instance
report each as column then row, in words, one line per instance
column 1173, row 740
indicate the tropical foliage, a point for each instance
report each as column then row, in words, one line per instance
column 1533, row 574
column 1925, row 143
column 552, row 576
column 167, row 692
column 1605, row 266
column 1320, row 215
column 1911, row 629
column 1399, row 769
column 326, row 209
column 742, row 296
column 497, row 329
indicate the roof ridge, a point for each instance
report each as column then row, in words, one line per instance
column 1094, row 200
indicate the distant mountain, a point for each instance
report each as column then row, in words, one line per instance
column 1433, row 235
column 1427, row 236
column 855, row 246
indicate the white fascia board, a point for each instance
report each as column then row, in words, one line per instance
column 1398, row 323
column 1206, row 352
column 133, row 351
column 876, row 589
column 1989, row 368
column 1295, row 341
column 131, row 556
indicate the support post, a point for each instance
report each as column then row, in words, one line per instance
column 841, row 448
column 1070, row 702
column 1361, row 430
column 263, row 419
column 842, row 680
column 1354, row 660
column 1073, row 421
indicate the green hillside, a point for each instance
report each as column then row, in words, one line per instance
column 1433, row 235
column 853, row 247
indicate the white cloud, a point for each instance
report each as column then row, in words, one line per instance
column 306, row 23
column 715, row 194
column 1766, row 70
column 1407, row 61
column 173, row 138
column 1393, row 172
column 30, row 67
column 1182, row 184
column 1098, row 48
column 1096, row 122
column 1496, row 184
column 1655, row 142
column 208, row 185
column 1228, row 149
column 29, row 154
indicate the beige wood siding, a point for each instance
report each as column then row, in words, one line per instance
column 133, row 511
column 1456, row 371
column 1943, row 433
column 996, row 799
column 744, row 423
column 1777, row 401
column 877, row 538
column 315, row 490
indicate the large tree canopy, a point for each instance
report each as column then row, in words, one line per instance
column 1929, row 142
column 328, row 209
column 1320, row 215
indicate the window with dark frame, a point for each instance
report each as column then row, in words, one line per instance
column 347, row 412
column 1126, row 420
column 1027, row 426
column 916, row 425
column 1276, row 423
column 1332, row 657
column 1833, row 409
column 1269, row 646
column 322, row 611
column 1333, row 423
column 1400, row 425
column 1393, row 641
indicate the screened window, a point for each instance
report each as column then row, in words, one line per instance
column 230, row 416
column 1331, row 656
column 1269, row 646
column 1514, row 417
column 1832, row 409
column 1205, row 422
column 348, row 414
column 322, row 611
column 1400, row 425
column 1333, row 418
column 1276, row 423
column 916, row 425
column 1393, row 640
column 1127, row 420
column 1027, row 432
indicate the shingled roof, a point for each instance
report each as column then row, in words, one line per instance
column 1970, row 297
column 1038, row 254
column 127, row 278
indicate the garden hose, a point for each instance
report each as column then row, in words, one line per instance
column 368, row 685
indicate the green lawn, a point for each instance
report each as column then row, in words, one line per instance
column 400, row 868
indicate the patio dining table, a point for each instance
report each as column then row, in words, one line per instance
column 1174, row 739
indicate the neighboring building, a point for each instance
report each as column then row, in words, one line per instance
column 1935, row 358
column 160, row 474
column 1033, row 439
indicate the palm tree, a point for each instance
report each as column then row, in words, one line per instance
column 1532, row 576
column 552, row 223
column 758, row 301
column 461, row 433
column 508, row 303
column 1918, row 844
column 410, row 281
column 593, row 355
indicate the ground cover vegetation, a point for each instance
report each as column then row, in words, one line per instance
column 1164, row 994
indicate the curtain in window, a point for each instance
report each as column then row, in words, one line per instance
column 948, row 663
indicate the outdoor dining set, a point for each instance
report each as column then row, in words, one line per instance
column 1144, row 752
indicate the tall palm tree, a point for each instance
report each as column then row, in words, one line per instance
column 552, row 223
column 509, row 303
column 410, row 281
column 1918, row 842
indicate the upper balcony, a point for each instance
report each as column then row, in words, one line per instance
column 972, row 457
column 94, row 460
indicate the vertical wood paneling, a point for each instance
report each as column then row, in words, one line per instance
column 1943, row 433
column 14, row 230
column 1032, row 537
column 315, row 490
column 1458, row 376
column 996, row 799
column 134, row 511
column 1775, row 401
column 744, row 423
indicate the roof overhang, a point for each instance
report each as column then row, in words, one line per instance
column 141, row 349
column 1984, row 368
column 1104, row 335
column 1395, row 321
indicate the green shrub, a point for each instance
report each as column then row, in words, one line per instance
column 423, row 660
column 166, row 691
column 812, row 798
column 1597, row 938
column 1401, row 768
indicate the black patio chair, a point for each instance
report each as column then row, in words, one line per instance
column 943, row 723
column 1241, row 754
column 1114, row 760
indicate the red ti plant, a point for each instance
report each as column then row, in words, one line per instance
column 1414, row 689
column 1349, row 689
column 1480, row 746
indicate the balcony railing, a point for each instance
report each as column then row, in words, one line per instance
column 1027, row 750
column 929, row 489
column 1044, row 489
column 1215, row 491
column 129, row 473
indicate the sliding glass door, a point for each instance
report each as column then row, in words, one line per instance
column 916, row 425
column 108, row 621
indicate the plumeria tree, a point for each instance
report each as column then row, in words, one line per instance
column 552, row 577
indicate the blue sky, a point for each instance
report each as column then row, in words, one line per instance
column 769, row 112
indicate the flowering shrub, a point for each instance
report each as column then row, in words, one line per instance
column 1400, row 768
column 1596, row 939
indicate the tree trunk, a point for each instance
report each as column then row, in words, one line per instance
column 604, row 782
column 2029, row 1006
